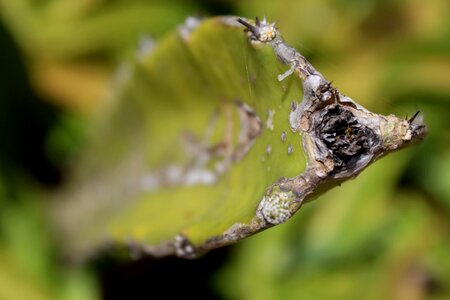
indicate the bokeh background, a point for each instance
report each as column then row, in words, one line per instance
column 385, row 235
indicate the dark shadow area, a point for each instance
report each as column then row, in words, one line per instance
column 220, row 7
column 25, row 120
column 167, row 278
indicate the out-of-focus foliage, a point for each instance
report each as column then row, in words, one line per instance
column 68, row 29
column 28, row 258
column 75, row 46
column 384, row 235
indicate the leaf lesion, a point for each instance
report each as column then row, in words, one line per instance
column 228, row 137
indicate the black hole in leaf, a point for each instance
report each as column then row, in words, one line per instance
column 349, row 140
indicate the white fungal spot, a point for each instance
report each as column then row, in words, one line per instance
column 207, row 162
column 290, row 149
column 183, row 247
column 189, row 249
column 314, row 81
column 199, row 176
column 268, row 149
column 190, row 24
column 275, row 208
column 269, row 122
column 283, row 136
column 175, row 175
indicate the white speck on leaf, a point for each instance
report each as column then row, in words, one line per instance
column 197, row 176
column 269, row 123
column 290, row 149
column 190, row 24
column 268, row 149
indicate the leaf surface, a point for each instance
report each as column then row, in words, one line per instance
column 184, row 87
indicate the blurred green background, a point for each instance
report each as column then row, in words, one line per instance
column 385, row 235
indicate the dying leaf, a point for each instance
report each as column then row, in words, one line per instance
column 206, row 139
